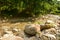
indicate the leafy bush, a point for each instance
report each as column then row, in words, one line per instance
column 28, row 7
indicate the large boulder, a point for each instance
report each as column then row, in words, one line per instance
column 32, row 29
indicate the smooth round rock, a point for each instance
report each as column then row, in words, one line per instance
column 32, row 29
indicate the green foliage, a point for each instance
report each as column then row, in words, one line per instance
column 30, row 7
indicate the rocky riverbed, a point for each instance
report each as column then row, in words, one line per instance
column 46, row 27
